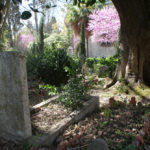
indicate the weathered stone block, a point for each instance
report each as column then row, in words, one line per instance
column 14, row 103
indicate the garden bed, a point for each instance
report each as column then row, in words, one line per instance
column 46, row 116
column 53, row 125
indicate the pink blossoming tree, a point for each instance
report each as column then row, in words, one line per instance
column 104, row 25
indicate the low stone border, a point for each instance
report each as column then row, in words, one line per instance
column 36, row 107
column 76, row 116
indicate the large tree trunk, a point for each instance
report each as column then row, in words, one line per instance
column 135, row 38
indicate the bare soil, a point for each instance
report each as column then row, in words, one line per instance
column 48, row 116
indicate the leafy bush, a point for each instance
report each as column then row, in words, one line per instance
column 51, row 69
column 49, row 66
column 74, row 14
column 95, row 63
column 51, row 90
column 74, row 93
column 91, row 61
column 58, row 39
column 75, row 68
column 130, row 147
column 32, row 62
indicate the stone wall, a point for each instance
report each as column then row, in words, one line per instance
column 14, row 103
column 96, row 50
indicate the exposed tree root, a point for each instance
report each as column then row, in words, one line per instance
column 111, row 84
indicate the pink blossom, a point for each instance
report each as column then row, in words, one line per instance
column 104, row 24
column 25, row 40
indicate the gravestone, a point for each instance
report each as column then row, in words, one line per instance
column 103, row 70
column 14, row 103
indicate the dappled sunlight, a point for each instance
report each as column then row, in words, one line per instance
column 85, row 71
column 119, row 126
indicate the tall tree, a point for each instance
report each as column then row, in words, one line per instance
column 4, row 11
column 134, row 37
column 35, row 15
column 41, row 6
column 10, row 19
column 41, row 35
column 13, row 22
column 49, row 25
column 82, row 49
column 74, row 17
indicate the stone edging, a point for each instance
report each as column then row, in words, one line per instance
column 76, row 116
column 36, row 107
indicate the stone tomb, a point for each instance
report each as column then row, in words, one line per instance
column 14, row 102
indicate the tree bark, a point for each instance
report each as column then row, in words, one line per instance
column 5, row 15
column 35, row 16
column 123, row 58
column 135, row 33
column 87, row 47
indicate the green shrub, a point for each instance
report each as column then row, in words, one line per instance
column 91, row 61
column 95, row 63
column 73, row 93
column 50, row 66
column 75, row 68
column 111, row 62
column 82, row 49
column 51, row 69
column 58, row 39
column 130, row 147
column 51, row 90
column 32, row 62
